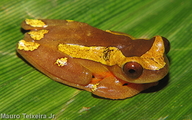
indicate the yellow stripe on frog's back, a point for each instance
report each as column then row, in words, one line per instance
column 105, row 55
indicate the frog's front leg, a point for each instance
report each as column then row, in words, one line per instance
column 113, row 88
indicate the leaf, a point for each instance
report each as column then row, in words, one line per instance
column 25, row 92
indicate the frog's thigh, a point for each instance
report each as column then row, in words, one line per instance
column 57, row 65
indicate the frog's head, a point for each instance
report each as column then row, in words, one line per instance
column 145, row 66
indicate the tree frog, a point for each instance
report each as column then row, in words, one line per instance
column 106, row 63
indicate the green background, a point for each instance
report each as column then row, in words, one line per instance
column 23, row 89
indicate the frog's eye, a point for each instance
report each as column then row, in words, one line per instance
column 133, row 69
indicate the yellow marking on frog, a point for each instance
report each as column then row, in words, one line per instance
column 61, row 61
column 119, row 33
column 70, row 20
column 152, row 59
column 94, row 87
column 38, row 35
column 35, row 23
column 104, row 55
column 155, row 55
column 27, row 46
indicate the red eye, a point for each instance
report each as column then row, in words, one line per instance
column 133, row 69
